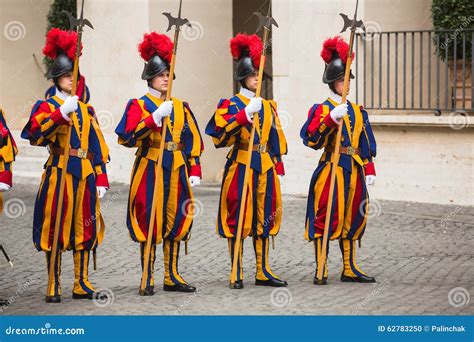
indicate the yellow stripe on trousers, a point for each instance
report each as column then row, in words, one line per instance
column 171, row 255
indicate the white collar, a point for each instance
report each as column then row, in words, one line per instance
column 335, row 97
column 154, row 92
column 247, row 93
column 61, row 94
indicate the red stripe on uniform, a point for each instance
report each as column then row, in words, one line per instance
column 250, row 187
column 323, row 202
column 224, row 104
column 141, row 203
column 43, row 108
column 357, row 199
column 134, row 115
column 86, row 215
column 232, row 201
column 316, row 120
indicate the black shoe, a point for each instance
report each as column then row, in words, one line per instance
column 271, row 282
column 238, row 285
column 94, row 295
column 148, row 291
column 82, row 296
column 323, row 281
column 179, row 288
column 359, row 279
column 3, row 302
column 53, row 299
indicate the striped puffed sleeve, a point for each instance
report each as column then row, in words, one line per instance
column 8, row 152
column 99, row 149
column 193, row 144
column 367, row 144
column 277, row 141
column 318, row 127
column 43, row 125
column 226, row 123
column 4, row 133
column 135, row 125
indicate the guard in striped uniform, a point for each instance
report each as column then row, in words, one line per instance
column 8, row 152
column 140, row 128
column 230, row 126
column 82, row 226
column 354, row 172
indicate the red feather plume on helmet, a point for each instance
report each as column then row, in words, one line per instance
column 58, row 41
column 252, row 43
column 156, row 43
column 333, row 45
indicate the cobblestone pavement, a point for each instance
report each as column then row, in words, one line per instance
column 422, row 256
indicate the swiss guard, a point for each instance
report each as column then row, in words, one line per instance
column 8, row 152
column 82, row 226
column 140, row 128
column 231, row 126
column 354, row 172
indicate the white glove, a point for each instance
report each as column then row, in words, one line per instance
column 280, row 177
column 338, row 112
column 4, row 187
column 70, row 105
column 163, row 110
column 254, row 106
column 194, row 181
column 370, row 179
column 101, row 191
